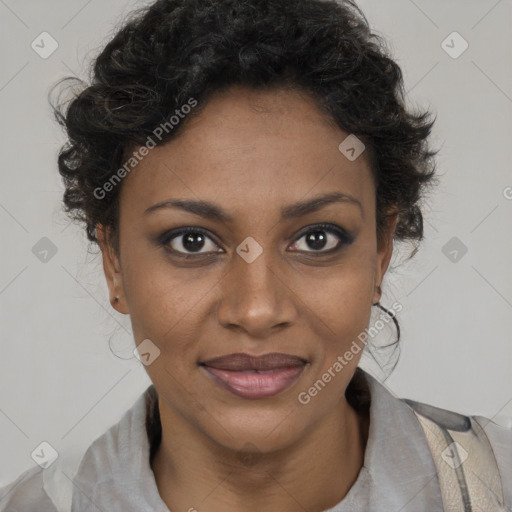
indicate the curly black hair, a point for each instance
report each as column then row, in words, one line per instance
column 174, row 51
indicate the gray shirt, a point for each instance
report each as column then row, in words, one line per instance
column 399, row 471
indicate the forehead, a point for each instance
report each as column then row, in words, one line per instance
column 252, row 150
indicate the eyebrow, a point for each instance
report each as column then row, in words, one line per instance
column 212, row 211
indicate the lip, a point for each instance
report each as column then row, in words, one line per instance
column 255, row 377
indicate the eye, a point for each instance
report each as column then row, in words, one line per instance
column 323, row 239
column 192, row 241
column 189, row 241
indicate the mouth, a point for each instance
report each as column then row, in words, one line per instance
column 254, row 377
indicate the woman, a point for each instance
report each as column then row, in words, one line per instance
column 245, row 167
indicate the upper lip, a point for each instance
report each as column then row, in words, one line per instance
column 245, row 362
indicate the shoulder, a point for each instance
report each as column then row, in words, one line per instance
column 26, row 494
column 473, row 449
column 120, row 451
column 500, row 439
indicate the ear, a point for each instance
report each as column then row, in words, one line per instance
column 112, row 270
column 384, row 252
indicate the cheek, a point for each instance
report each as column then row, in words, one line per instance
column 342, row 311
column 339, row 309
column 166, row 303
column 341, row 295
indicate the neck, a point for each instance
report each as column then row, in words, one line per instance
column 192, row 471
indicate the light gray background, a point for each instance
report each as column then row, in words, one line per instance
column 59, row 381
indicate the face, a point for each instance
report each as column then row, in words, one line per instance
column 262, row 268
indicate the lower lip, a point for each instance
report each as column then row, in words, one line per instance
column 254, row 385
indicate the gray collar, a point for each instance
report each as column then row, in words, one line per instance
column 398, row 472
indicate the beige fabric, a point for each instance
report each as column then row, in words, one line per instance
column 468, row 473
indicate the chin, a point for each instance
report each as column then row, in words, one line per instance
column 256, row 432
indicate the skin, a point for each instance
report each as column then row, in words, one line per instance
column 251, row 153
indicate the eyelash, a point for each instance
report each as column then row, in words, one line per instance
column 344, row 236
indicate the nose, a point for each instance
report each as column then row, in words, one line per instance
column 256, row 297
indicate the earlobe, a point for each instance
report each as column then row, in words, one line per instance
column 377, row 295
column 385, row 251
column 112, row 270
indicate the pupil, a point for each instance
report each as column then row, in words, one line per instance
column 190, row 244
column 316, row 239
